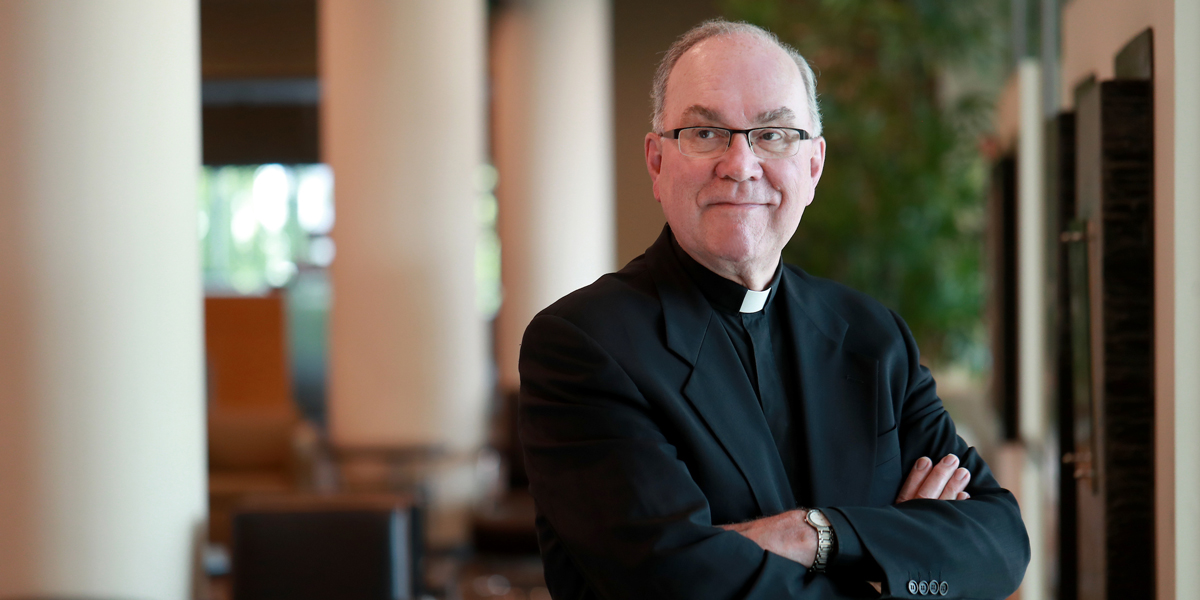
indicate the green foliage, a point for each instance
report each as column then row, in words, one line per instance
column 906, row 88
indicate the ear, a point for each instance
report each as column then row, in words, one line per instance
column 654, row 159
column 816, row 163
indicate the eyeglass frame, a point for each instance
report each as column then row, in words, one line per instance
column 674, row 135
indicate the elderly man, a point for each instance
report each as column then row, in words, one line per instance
column 711, row 423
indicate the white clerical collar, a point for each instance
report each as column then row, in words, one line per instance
column 755, row 301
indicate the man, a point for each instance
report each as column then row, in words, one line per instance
column 710, row 423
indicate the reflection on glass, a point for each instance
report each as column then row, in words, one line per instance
column 258, row 224
column 487, row 243
column 264, row 228
column 314, row 200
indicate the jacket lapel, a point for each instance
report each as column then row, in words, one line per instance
column 718, row 387
column 721, row 392
column 838, row 396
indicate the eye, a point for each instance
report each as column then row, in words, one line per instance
column 705, row 134
column 770, row 135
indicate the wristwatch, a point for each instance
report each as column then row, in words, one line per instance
column 818, row 521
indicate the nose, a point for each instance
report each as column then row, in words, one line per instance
column 739, row 162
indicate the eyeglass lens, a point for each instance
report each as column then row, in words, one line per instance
column 708, row 142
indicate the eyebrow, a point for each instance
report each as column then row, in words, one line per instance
column 782, row 113
column 702, row 112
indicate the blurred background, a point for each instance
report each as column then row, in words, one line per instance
column 265, row 266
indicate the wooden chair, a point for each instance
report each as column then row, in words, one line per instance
column 252, row 419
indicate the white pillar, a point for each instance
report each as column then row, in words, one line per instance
column 102, row 475
column 1032, row 335
column 403, row 129
column 552, row 95
column 1187, row 299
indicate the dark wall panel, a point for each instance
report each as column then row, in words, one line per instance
column 261, row 134
column 1127, row 255
column 1002, row 292
column 258, row 38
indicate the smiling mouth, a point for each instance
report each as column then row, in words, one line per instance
column 740, row 204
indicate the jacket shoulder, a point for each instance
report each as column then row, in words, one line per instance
column 871, row 325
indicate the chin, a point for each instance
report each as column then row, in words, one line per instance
column 735, row 249
column 736, row 243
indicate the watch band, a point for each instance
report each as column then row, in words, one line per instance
column 817, row 520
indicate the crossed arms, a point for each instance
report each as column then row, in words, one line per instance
column 623, row 515
column 790, row 536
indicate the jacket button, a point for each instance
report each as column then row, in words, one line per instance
column 912, row 587
column 943, row 587
column 923, row 587
column 933, row 587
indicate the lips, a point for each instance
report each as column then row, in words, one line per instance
column 747, row 198
column 740, row 204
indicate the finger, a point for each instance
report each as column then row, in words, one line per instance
column 938, row 477
column 915, row 478
column 963, row 496
column 958, row 482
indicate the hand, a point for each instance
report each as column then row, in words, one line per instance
column 942, row 482
column 790, row 536
column 786, row 534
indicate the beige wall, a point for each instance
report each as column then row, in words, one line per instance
column 1093, row 31
column 642, row 31
column 1006, row 125
column 1187, row 298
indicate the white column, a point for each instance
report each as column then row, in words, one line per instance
column 1032, row 335
column 403, row 129
column 552, row 104
column 102, row 475
column 1187, row 298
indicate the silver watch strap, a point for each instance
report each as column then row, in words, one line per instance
column 824, row 543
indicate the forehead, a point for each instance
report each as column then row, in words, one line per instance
column 736, row 76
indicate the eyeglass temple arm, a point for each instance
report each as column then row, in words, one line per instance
column 673, row 134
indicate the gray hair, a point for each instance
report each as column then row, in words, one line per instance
column 719, row 27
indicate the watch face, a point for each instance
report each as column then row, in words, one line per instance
column 817, row 518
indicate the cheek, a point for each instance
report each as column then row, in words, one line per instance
column 678, row 191
column 794, row 184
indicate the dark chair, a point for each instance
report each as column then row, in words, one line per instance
column 321, row 547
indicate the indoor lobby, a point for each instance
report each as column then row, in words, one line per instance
column 265, row 268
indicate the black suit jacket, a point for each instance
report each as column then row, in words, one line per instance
column 642, row 432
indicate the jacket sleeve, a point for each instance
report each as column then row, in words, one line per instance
column 979, row 546
column 620, row 505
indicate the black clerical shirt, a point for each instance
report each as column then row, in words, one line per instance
column 762, row 340
column 763, row 343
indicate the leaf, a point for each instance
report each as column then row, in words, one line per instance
column 906, row 88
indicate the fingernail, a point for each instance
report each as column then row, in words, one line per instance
column 950, row 459
column 961, row 474
column 923, row 463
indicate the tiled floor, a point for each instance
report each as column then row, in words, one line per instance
column 499, row 578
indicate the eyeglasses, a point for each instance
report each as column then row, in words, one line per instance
column 711, row 142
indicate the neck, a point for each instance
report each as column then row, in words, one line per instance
column 754, row 274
